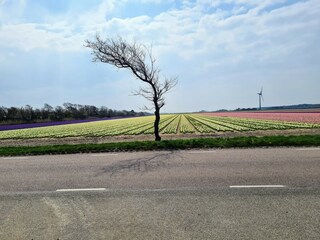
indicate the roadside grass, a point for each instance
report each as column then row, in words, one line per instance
column 200, row 143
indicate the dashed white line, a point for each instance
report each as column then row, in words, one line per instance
column 81, row 190
column 258, row 186
column 14, row 158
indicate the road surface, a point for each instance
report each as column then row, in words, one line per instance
column 271, row 193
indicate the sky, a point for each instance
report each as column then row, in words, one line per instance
column 222, row 51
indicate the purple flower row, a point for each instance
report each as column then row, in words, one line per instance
column 46, row 124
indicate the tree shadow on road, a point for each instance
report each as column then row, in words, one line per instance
column 138, row 165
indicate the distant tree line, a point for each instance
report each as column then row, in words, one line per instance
column 59, row 113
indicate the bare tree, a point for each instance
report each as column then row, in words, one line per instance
column 139, row 60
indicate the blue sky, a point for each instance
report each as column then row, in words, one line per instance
column 223, row 51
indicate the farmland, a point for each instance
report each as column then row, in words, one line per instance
column 294, row 116
column 178, row 124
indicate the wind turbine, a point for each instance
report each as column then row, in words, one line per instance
column 260, row 97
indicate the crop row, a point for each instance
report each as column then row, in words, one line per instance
column 208, row 124
column 91, row 129
column 304, row 117
column 240, row 124
column 169, row 124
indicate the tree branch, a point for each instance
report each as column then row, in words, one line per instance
column 139, row 60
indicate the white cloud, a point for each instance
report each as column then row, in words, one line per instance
column 153, row 1
column 3, row 58
column 11, row 10
column 99, row 14
column 35, row 36
column 188, row 31
column 199, row 40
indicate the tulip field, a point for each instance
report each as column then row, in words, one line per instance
column 170, row 124
column 306, row 117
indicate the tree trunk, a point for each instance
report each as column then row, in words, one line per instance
column 156, row 124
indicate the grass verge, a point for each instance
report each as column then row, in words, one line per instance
column 234, row 142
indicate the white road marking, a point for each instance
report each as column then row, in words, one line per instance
column 81, row 189
column 14, row 158
column 258, row 186
column 104, row 155
column 308, row 149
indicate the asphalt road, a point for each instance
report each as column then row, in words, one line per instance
column 217, row 194
column 293, row 167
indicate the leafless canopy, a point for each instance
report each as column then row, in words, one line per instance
column 139, row 60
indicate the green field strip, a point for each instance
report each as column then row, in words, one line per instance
column 179, row 124
column 53, row 131
column 169, row 124
column 163, row 123
column 101, row 128
column 261, row 124
column 235, row 125
column 220, row 125
column 256, row 125
column 135, row 129
column 186, row 126
column 172, row 127
column 292, row 124
column 251, row 125
column 215, row 126
column 141, row 128
column 138, row 130
column 108, row 130
column 199, row 126
column 122, row 129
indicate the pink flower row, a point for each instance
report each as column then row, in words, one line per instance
column 280, row 116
